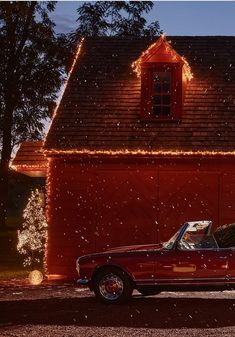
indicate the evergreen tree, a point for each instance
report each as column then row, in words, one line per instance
column 225, row 235
column 32, row 238
column 115, row 18
column 32, row 67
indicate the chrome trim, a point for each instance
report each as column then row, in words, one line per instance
column 185, row 283
column 145, row 280
column 182, row 279
column 111, row 287
column 83, row 281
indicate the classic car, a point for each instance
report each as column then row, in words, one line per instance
column 190, row 260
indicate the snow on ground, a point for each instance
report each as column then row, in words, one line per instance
column 74, row 331
column 63, row 310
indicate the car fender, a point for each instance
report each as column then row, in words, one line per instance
column 114, row 265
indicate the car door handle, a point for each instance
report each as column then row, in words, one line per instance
column 223, row 257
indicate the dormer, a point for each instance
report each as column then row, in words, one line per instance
column 164, row 77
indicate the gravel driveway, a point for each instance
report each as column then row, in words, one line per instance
column 56, row 310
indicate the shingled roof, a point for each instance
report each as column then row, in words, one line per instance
column 30, row 160
column 100, row 108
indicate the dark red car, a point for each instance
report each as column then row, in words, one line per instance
column 190, row 260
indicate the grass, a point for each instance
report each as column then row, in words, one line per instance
column 11, row 262
column 16, row 271
column 14, row 274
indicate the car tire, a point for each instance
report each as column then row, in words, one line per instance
column 112, row 285
column 148, row 292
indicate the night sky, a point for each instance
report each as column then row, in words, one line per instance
column 175, row 17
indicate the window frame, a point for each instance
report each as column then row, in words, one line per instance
column 148, row 70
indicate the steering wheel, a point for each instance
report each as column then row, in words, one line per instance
column 185, row 244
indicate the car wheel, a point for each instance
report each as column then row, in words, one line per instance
column 112, row 285
column 148, row 292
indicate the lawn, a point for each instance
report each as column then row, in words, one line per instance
column 11, row 262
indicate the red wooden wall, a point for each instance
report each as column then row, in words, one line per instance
column 92, row 207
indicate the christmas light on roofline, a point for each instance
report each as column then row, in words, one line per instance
column 136, row 65
column 28, row 166
column 187, row 73
column 138, row 152
column 79, row 48
column 32, row 170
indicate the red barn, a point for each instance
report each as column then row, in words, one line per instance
column 142, row 140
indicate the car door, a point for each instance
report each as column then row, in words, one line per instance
column 191, row 266
column 231, row 265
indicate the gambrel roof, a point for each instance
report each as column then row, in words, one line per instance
column 100, row 108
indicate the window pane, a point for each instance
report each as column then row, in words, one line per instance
column 157, row 87
column 159, row 76
column 157, row 100
column 166, row 99
column 166, row 110
column 157, row 110
column 166, row 87
column 161, row 93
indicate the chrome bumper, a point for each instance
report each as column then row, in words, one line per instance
column 83, row 281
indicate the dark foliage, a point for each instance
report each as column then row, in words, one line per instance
column 32, row 67
column 119, row 18
column 225, row 236
column 32, row 64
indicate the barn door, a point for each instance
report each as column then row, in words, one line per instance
column 126, row 207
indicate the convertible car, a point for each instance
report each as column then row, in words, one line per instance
column 190, row 260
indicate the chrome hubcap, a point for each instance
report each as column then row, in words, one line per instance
column 111, row 287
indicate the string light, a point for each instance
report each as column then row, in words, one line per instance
column 22, row 167
column 48, row 211
column 50, row 276
column 35, row 277
column 31, row 240
column 187, row 73
column 139, row 152
column 136, row 65
column 79, row 48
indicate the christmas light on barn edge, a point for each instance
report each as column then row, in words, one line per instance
column 136, row 65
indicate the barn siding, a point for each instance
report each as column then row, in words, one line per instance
column 92, row 207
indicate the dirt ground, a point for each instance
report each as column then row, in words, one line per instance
column 63, row 310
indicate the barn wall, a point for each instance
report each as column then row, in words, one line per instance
column 92, row 207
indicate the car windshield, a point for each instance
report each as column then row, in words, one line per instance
column 197, row 241
column 169, row 244
column 196, row 235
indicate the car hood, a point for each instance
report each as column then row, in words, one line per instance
column 122, row 249
column 134, row 248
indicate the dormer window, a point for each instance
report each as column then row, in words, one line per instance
column 164, row 75
column 161, row 91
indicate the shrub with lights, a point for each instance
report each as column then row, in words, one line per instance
column 33, row 236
